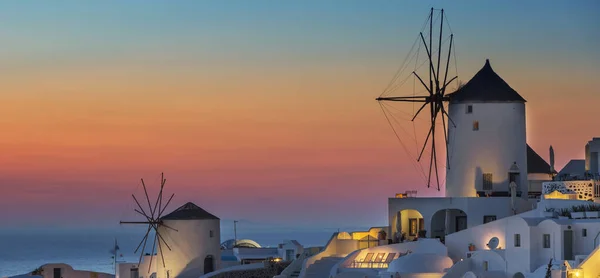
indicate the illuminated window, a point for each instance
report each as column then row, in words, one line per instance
column 475, row 125
column 487, row 181
column 488, row 218
column 469, row 109
column 421, row 224
column 546, row 240
column 517, row 240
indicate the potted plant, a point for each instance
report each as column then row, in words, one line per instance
column 471, row 247
column 578, row 212
column 593, row 211
column 564, row 213
column 549, row 212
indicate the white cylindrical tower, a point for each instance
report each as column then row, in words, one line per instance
column 488, row 139
column 195, row 246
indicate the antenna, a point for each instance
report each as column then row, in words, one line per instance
column 153, row 220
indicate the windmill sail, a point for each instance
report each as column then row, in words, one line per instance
column 431, row 76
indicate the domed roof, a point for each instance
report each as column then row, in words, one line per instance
column 189, row 211
column 241, row 243
column 420, row 263
column 485, row 86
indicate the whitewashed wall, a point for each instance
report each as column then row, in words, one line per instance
column 124, row 269
column 475, row 209
column 67, row 271
column 500, row 141
column 518, row 258
column 190, row 245
column 458, row 243
column 542, row 255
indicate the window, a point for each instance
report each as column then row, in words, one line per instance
column 487, row 181
column 421, row 224
column 412, row 227
column 469, row 109
column 584, row 232
column 212, row 233
column 546, row 240
column 517, row 240
column 485, row 265
column 488, row 218
column 475, row 125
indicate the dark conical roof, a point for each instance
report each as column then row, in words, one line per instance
column 486, row 85
column 535, row 163
column 189, row 211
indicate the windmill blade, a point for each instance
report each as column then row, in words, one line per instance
column 147, row 198
column 159, row 196
column 161, row 253
column 423, row 83
column 169, row 227
column 432, row 70
column 143, row 241
column 449, row 119
column 139, row 206
column 418, row 111
column 165, row 207
column 448, row 61
column 437, row 78
column 425, row 144
column 430, row 164
column 163, row 240
column 152, row 254
column 448, row 83
column 147, row 217
column 437, row 177
column 163, row 182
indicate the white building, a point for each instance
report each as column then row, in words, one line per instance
column 487, row 152
column 592, row 157
column 60, row 270
column 528, row 241
column 247, row 251
column 488, row 136
column 194, row 237
column 494, row 183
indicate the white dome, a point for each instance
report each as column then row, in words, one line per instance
column 420, row 263
column 244, row 243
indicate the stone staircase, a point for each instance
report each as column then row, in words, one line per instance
column 322, row 267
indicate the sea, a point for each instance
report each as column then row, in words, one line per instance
column 22, row 251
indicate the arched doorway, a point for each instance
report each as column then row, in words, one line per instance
column 208, row 264
column 447, row 221
column 408, row 222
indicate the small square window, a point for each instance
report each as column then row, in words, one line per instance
column 469, row 109
column 584, row 232
column 211, row 233
column 546, row 240
column 517, row 240
column 475, row 125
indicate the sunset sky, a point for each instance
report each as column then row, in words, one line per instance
column 256, row 110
